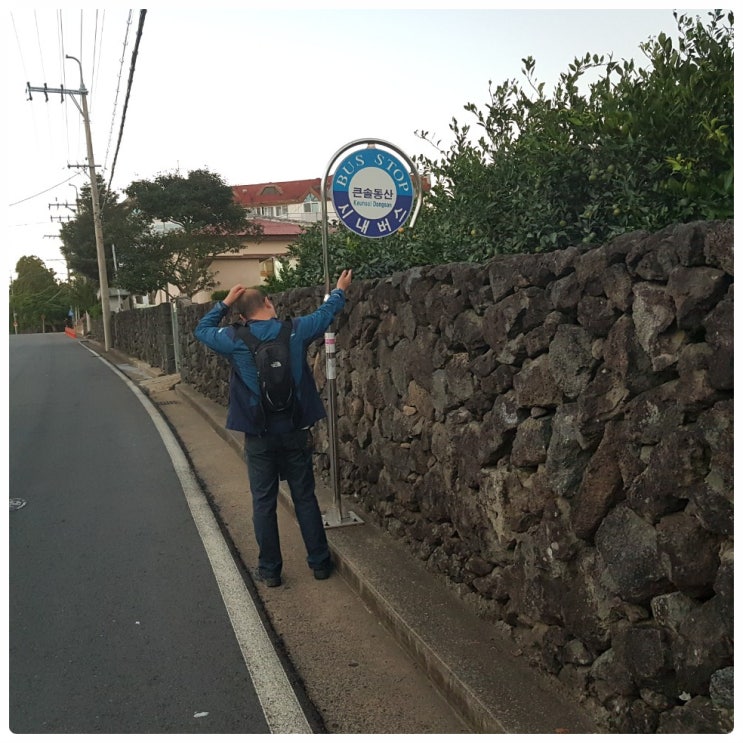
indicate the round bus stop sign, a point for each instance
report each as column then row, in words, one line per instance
column 372, row 193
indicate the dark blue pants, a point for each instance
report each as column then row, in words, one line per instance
column 285, row 456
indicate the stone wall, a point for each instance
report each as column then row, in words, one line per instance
column 145, row 334
column 553, row 435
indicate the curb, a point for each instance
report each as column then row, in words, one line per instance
column 479, row 673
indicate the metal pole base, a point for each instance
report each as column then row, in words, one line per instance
column 333, row 519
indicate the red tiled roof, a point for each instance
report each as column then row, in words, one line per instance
column 273, row 194
column 277, row 227
column 286, row 192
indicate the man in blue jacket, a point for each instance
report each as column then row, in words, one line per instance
column 279, row 445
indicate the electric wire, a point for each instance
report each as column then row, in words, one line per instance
column 18, row 44
column 41, row 62
column 116, row 97
column 97, row 45
column 60, row 53
column 62, row 67
column 46, row 190
column 94, row 59
column 38, row 41
column 97, row 54
column 135, row 52
column 80, row 51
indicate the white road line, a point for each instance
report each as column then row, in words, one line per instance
column 279, row 702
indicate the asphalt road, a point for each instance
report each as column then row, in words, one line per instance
column 126, row 611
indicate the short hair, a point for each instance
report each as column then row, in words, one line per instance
column 249, row 302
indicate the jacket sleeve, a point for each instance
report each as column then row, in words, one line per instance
column 209, row 332
column 313, row 326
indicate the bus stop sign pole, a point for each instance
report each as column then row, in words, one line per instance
column 374, row 195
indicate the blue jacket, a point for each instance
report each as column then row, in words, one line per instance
column 244, row 412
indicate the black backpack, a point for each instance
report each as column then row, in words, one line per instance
column 273, row 363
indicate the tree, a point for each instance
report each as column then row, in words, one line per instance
column 143, row 263
column 121, row 228
column 303, row 263
column 636, row 148
column 84, row 295
column 37, row 301
column 191, row 221
column 643, row 148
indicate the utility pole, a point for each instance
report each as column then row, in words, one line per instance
column 15, row 314
column 102, row 272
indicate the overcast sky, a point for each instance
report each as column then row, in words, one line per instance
column 257, row 95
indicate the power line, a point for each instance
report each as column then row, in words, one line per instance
column 63, row 75
column 99, row 47
column 41, row 193
column 38, row 41
column 118, row 87
column 142, row 14
column 97, row 54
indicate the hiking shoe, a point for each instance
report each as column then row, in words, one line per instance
column 271, row 581
column 324, row 572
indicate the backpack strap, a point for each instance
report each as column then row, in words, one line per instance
column 246, row 336
column 244, row 333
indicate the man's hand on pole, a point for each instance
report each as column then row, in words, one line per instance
column 344, row 280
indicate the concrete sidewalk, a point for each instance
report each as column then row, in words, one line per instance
column 478, row 671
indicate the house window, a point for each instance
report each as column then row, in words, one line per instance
column 268, row 268
column 273, row 211
column 311, row 204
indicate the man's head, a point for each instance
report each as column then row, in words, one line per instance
column 254, row 305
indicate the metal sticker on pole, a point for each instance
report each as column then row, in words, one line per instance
column 372, row 193
column 330, row 356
